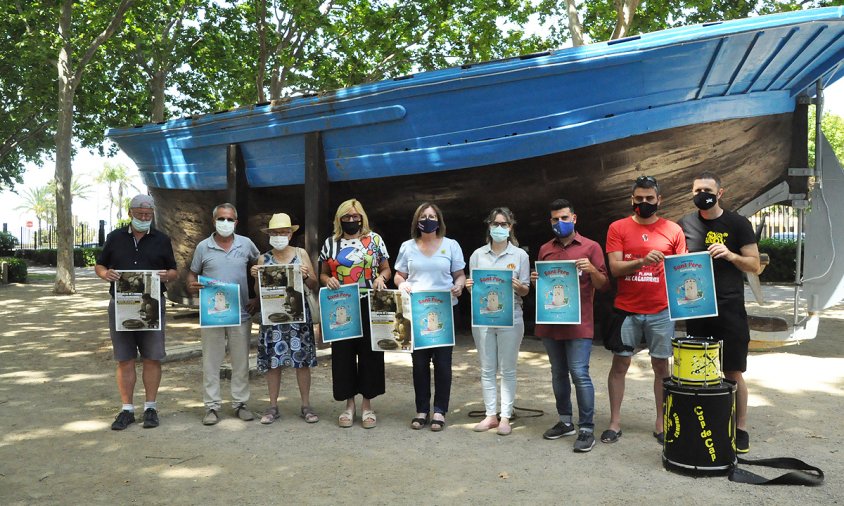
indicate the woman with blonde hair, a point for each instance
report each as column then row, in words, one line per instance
column 498, row 348
column 355, row 254
column 430, row 261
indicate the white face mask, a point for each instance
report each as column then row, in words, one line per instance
column 279, row 241
column 224, row 228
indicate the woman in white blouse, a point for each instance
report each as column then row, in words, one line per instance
column 498, row 348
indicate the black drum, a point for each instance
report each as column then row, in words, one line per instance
column 700, row 428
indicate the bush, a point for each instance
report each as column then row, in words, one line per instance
column 82, row 257
column 783, row 260
column 7, row 243
column 17, row 269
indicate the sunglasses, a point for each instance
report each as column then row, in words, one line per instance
column 646, row 179
column 232, row 220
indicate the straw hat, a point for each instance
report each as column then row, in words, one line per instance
column 280, row 220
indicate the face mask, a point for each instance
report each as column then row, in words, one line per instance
column 224, row 228
column 563, row 228
column 704, row 200
column 428, row 226
column 350, row 227
column 279, row 242
column 141, row 225
column 645, row 209
column 499, row 234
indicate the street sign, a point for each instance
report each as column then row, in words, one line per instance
column 28, row 224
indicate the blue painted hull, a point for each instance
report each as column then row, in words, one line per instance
column 504, row 111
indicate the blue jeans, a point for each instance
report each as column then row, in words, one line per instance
column 572, row 357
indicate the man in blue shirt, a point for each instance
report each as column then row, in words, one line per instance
column 226, row 257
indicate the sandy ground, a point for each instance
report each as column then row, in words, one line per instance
column 58, row 398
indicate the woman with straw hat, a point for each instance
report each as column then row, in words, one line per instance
column 292, row 344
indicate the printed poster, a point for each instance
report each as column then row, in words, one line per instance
column 390, row 329
column 557, row 292
column 340, row 313
column 137, row 301
column 432, row 322
column 219, row 303
column 492, row 298
column 690, row 284
column 282, row 295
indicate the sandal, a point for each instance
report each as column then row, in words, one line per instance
column 418, row 422
column 610, row 436
column 308, row 414
column 437, row 425
column 347, row 418
column 367, row 419
column 270, row 415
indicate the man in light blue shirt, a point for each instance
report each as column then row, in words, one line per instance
column 227, row 257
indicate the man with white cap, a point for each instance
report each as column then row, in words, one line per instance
column 137, row 246
column 227, row 257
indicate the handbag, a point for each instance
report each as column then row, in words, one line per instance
column 313, row 301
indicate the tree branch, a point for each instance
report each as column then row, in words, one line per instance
column 112, row 27
column 575, row 26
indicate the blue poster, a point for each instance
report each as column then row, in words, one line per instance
column 432, row 322
column 690, row 283
column 219, row 303
column 340, row 313
column 557, row 292
column 492, row 298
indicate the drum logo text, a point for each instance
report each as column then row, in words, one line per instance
column 705, row 434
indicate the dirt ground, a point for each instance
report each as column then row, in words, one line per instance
column 58, row 398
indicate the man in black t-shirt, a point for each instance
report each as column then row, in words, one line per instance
column 731, row 242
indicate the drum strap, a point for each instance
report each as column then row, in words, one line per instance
column 802, row 474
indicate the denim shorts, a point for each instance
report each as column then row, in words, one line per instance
column 654, row 329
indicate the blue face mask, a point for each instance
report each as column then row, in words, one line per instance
column 428, row 226
column 141, row 225
column 499, row 234
column 563, row 228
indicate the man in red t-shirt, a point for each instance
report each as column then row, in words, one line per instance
column 636, row 247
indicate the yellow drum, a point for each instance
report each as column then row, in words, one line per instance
column 697, row 361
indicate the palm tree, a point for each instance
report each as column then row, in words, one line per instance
column 40, row 202
column 115, row 176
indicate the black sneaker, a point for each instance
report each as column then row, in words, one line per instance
column 742, row 441
column 559, row 430
column 123, row 420
column 585, row 442
column 150, row 418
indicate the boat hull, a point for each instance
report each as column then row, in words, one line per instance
column 750, row 154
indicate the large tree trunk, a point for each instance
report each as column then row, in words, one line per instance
column 625, row 10
column 575, row 27
column 159, row 78
column 65, row 279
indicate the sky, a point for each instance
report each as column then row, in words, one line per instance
column 95, row 207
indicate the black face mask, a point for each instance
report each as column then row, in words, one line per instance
column 350, row 227
column 645, row 209
column 704, row 200
column 428, row 226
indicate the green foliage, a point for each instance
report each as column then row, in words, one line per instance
column 17, row 269
column 82, row 257
column 833, row 129
column 7, row 243
column 783, row 260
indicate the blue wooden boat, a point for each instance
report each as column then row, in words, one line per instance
column 579, row 123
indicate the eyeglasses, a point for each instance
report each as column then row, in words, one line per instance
column 142, row 216
column 502, row 224
column 231, row 220
column 275, row 233
column 350, row 217
column 429, row 217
